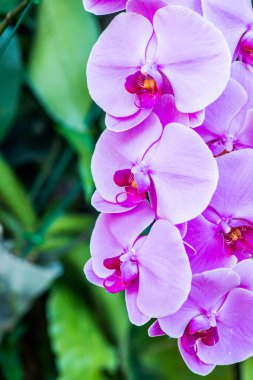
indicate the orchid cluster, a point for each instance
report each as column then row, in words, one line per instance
column 174, row 171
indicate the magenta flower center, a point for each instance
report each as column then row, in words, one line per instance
column 246, row 48
column 136, row 183
column 239, row 240
column 201, row 328
column 125, row 271
column 145, row 89
column 146, row 84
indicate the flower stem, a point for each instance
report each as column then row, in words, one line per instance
column 23, row 7
column 11, row 15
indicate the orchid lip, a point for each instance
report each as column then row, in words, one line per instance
column 125, row 271
column 136, row 182
column 146, row 84
column 246, row 47
column 201, row 328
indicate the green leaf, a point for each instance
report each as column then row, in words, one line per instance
column 162, row 357
column 66, row 233
column 65, row 36
column 10, row 360
column 20, row 283
column 71, row 223
column 7, row 5
column 10, row 83
column 82, row 143
column 117, row 323
column 14, row 197
column 247, row 370
column 81, row 349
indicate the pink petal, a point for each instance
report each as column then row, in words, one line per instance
column 167, row 112
column 245, row 136
column 101, row 7
column 118, row 53
column 196, row 118
column 195, row 5
column 155, row 330
column 194, row 363
column 145, row 8
column 245, row 271
column 231, row 17
column 230, row 102
column 208, row 243
column 116, row 151
column 90, row 274
column 135, row 315
column 184, row 173
column 196, row 62
column 164, row 271
column 115, row 233
column 234, row 194
column 207, row 290
column 106, row 207
column 244, row 75
column 235, row 326
column 121, row 124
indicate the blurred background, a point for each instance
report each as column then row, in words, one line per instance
column 54, row 325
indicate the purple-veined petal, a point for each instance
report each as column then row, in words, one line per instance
column 230, row 102
column 145, row 8
column 245, row 136
column 196, row 118
column 235, row 326
column 196, row 60
column 90, row 274
column 245, row 270
column 155, row 330
column 193, row 362
column 106, row 207
column 194, row 5
column 231, row 17
column 243, row 74
column 135, row 315
column 164, row 271
column 118, row 151
column 206, row 292
column 101, row 7
column 121, row 124
column 115, row 233
column 234, row 195
column 118, row 53
column 184, row 173
column 167, row 112
column 208, row 243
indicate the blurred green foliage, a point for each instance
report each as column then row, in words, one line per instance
column 10, row 79
column 48, row 130
column 81, row 349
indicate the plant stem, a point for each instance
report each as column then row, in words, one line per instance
column 237, row 371
column 55, row 177
column 44, row 173
column 24, row 9
column 58, row 211
column 11, row 15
